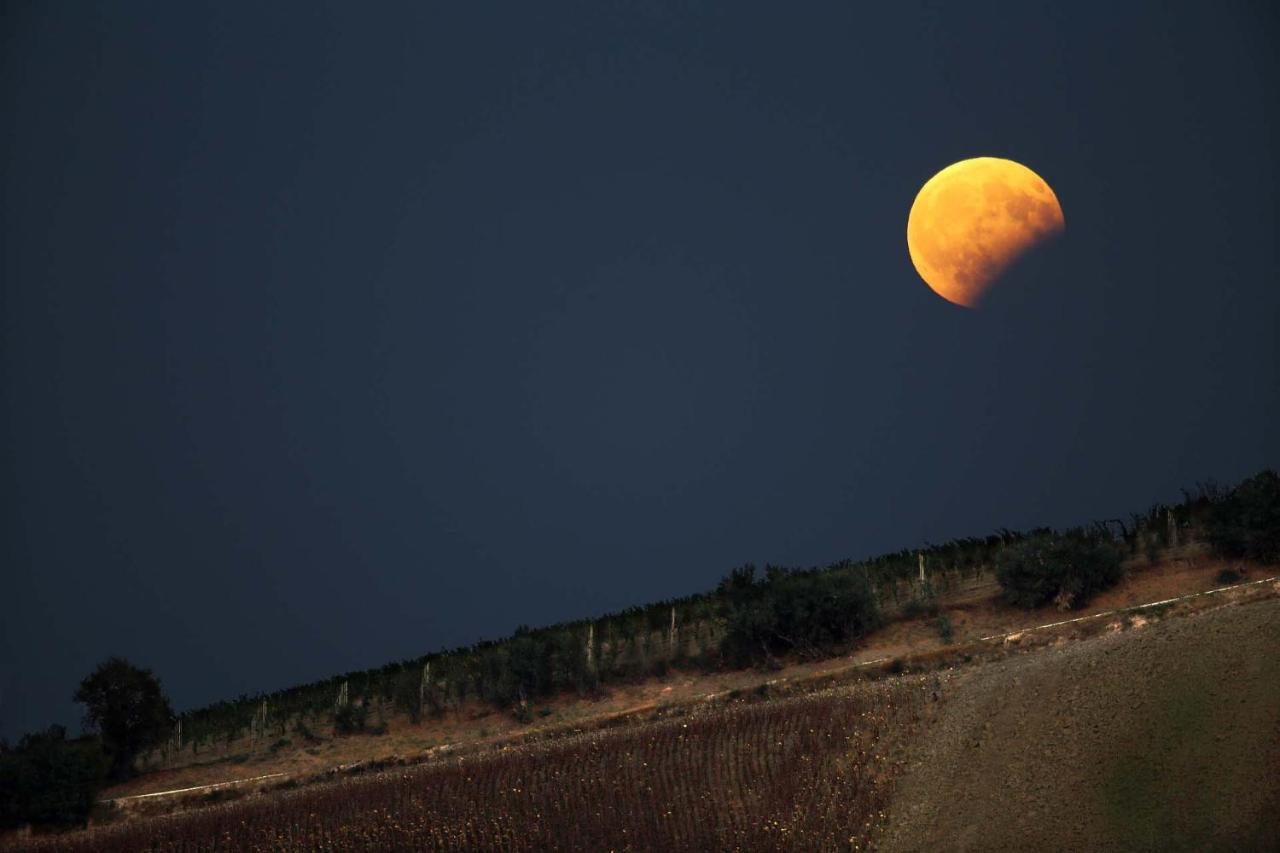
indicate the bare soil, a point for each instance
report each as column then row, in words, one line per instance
column 974, row 614
column 1164, row 737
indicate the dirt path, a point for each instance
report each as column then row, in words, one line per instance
column 1164, row 737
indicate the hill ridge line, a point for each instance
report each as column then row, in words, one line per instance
column 711, row 696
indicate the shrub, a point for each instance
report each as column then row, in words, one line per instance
column 304, row 731
column 48, row 780
column 1246, row 524
column 1068, row 568
column 350, row 719
column 915, row 608
column 944, row 628
column 1229, row 576
column 793, row 612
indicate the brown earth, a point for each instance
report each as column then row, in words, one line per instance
column 1110, row 730
column 974, row 614
column 1166, row 737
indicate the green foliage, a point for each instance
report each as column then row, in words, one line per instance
column 915, row 608
column 407, row 694
column 48, row 780
column 126, row 705
column 1064, row 567
column 304, row 731
column 1229, row 576
column 1246, row 524
column 350, row 719
column 634, row 643
column 942, row 623
column 807, row 612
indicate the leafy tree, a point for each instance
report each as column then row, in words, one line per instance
column 808, row 612
column 126, row 705
column 1247, row 522
column 48, row 780
column 1068, row 568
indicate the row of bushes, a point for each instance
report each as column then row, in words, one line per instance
column 747, row 618
column 50, row 779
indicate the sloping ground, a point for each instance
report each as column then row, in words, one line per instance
column 1166, row 737
column 807, row 772
column 974, row 614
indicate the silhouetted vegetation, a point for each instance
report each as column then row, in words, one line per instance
column 749, row 620
column 350, row 719
column 1229, row 576
column 125, row 704
column 809, row 612
column 1066, row 568
column 1246, row 523
column 49, row 781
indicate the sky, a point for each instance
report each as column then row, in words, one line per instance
column 334, row 334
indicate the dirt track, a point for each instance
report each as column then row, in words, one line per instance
column 1163, row 737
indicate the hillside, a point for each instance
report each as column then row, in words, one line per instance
column 973, row 612
column 1111, row 733
column 784, row 704
column 1161, row 738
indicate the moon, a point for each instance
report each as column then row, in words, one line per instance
column 973, row 219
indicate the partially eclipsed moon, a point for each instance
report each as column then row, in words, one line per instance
column 973, row 219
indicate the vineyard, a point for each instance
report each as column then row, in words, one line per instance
column 801, row 773
column 687, row 633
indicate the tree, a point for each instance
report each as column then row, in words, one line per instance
column 126, row 705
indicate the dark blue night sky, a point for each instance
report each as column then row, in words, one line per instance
column 337, row 334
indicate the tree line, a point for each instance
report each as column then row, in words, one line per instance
column 752, row 617
column 753, row 614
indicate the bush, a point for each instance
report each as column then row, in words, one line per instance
column 915, row 608
column 943, row 625
column 1229, row 576
column 350, row 719
column 805, row 612
column 304, row 731
column 1246, row 524
column 49, row 780
column 1067, row 568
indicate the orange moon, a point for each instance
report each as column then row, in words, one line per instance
column 973, row 219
